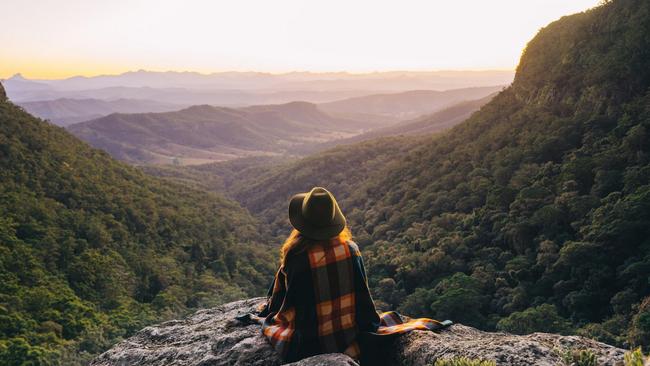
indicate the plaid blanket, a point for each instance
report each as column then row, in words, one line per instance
column 320, row 303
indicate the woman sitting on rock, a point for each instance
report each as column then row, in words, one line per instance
column 319, row 301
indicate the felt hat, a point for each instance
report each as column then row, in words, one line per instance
column 316, row 214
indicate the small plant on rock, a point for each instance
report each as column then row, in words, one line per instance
column 635, row 358
column 579, row 358
column 463, row 361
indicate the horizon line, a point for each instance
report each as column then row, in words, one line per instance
column 278, row 73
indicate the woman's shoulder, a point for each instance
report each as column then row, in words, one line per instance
column 297, row 261
column 302, row 258
column 354, row 248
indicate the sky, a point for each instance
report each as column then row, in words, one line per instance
column 62, row 38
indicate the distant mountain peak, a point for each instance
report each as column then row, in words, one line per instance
column 300, row 104
column 201, row 108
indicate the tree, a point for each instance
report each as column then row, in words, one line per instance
column 542, row 318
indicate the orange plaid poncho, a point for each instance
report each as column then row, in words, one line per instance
column 320, row 303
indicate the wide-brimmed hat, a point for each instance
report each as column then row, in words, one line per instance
column 316, row 214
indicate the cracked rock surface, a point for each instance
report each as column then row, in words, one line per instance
column 212, row 337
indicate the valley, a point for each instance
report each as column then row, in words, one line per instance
column 204, row 134
column 213, row 133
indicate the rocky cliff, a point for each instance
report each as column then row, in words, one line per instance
column 212, row 337
column 3, row 94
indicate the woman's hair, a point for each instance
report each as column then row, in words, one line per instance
column 296, row 243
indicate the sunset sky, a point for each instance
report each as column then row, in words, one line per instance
column 55, row 39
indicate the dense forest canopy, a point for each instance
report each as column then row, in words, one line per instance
column 532, row 215
column 92, row 250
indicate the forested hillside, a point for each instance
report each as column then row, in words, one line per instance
column 92, row 250
column 533, row 215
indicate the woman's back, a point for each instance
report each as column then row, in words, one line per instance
column 326, row 301
column 319, row 301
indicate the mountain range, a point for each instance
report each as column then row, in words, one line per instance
column 424, row 125
column 65, row 111
column 236, row 89
column 202, row 134
column 206, row 133
column 387, row 81
column 405, row 105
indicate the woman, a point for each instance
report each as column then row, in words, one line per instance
column 319, row 301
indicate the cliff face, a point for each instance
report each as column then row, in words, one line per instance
column 3, row 94
column 212, row 337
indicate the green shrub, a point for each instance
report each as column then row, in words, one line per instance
column 579, row 358
column 543, row 318
column 634, row 358
column 463, row 361
column 639, row 334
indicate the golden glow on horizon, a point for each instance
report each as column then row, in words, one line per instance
column 32, row 69
column 56, row 39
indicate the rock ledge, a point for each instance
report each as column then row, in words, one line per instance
column 211, row 337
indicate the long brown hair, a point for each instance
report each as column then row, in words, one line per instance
column 296, row 243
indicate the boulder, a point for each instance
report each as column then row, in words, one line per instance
column 212, row 337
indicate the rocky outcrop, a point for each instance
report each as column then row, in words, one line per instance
column 212, row 337
column 3, row 94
